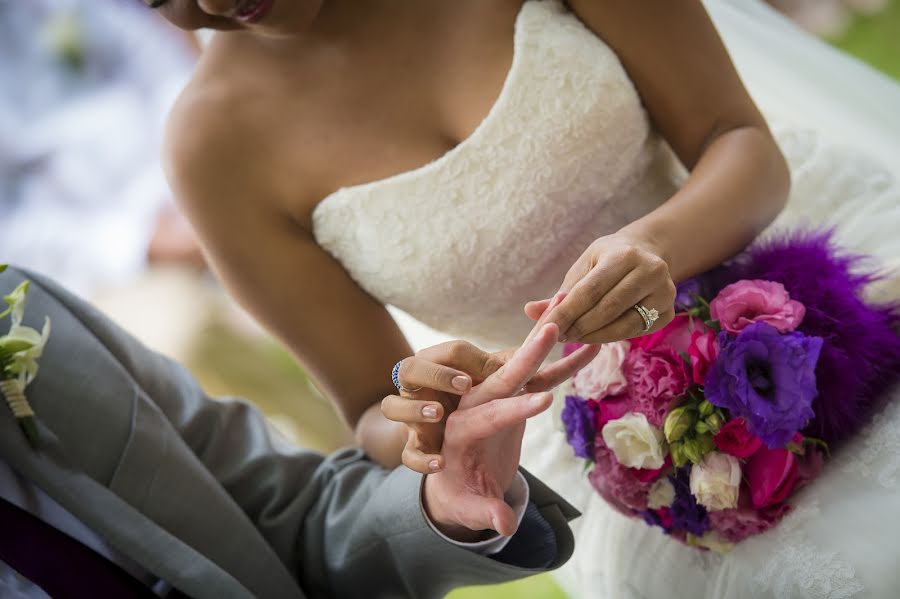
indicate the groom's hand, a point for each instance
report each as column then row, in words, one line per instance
column 482, row 444
column 433, row 374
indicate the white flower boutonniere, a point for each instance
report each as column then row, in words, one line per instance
column 19, row 351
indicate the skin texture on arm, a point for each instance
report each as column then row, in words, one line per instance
column 345, row 339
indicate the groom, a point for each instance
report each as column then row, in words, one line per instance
column 143, row 486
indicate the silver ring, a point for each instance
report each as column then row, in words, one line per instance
column 650, row 315
column 395, row 376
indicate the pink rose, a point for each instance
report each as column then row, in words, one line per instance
column 744, row 302
column 703, row 351
column 771, row 475
column 675, row 335
column 603, row 376
column 734, row 439
column 655, row 377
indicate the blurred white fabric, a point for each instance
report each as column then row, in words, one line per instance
column 86, row 87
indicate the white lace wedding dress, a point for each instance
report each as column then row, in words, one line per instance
column 567, row 154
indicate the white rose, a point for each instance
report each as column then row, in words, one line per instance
column 636, row 443
column 662, row 494
column 603, row 376
column 716, row 480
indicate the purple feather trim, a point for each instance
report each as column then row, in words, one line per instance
column 860, row 358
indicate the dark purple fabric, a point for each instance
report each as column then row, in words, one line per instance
column 57, row 563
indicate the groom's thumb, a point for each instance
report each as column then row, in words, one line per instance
column 503, row 518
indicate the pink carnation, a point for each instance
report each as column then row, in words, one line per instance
column 603, row 376
column 617, row 484
column 655, row 378
column 748, row 301
column 735, row 525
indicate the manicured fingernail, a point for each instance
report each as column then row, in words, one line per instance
column 460, row 383
column 434, row 465
column 538, row 397
column 429, row 412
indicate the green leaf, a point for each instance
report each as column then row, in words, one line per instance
column 3, row 267
column 10, row 346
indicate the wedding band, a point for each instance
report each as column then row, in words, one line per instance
column 649, row 315
column 395, row 376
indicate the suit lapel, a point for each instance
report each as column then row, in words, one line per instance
column 119, row 524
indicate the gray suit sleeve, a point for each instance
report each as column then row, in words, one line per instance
column 344, row 526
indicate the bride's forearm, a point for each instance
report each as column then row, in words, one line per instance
column 382, row 439
column 736, row 189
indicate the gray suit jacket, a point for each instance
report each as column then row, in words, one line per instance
column 200, row 493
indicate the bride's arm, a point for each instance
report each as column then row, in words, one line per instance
column 738, row 180
column 270, row 263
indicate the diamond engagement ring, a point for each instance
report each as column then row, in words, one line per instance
column 395, row 376
column 649, row 315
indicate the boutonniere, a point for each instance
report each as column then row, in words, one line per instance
column 19, row 351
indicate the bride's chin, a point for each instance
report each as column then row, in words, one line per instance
column 290, row 17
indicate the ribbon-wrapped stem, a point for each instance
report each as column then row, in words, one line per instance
column 14, row 393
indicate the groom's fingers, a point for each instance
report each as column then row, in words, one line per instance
column 543, row 318
column 562, row 370
column 518, row 370
column 486, row 420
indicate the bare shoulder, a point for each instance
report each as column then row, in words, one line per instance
column 206, row 140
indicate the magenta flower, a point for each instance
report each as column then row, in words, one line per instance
column 734, row 439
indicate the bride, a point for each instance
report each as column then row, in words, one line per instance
column 457, row 160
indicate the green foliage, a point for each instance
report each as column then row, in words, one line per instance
column 876, row 40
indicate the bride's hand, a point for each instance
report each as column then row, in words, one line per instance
column 615, row 274
column 435, row 379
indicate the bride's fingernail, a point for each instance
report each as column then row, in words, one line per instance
column 434, row 465
column 460, row 383
column 429, row 412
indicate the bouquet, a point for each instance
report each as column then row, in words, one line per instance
column 707, row 427
column 19, row 351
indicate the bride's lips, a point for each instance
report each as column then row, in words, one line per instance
column 252, row 11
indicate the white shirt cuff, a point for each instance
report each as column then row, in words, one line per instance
column 517, row 497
